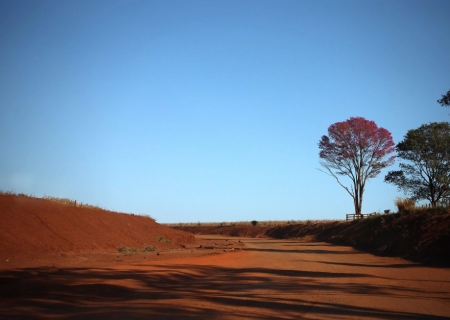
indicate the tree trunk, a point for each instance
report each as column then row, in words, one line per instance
column 357, row 198
column 357, row 203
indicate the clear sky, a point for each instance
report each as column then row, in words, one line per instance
column 210, row 110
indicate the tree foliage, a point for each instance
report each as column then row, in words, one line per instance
column 427, row 175
column 356, row 148
column 445, row 100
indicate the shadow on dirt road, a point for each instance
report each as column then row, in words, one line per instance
column 266, row 281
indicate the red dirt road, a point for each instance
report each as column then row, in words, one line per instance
column 269, row 279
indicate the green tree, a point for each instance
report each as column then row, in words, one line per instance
column 426, row 176
column 445, row 100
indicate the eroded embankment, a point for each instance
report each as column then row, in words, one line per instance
column 30, row 226
column 422, row 236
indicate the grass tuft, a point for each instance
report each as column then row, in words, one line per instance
column 73, row 203
column 162, row 239
column 144, row 248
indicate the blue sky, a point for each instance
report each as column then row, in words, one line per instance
column 210, row 110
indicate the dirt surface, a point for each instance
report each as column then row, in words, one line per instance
column 34, row 229
column 60, row 262
column 421, row 235
column 263, row 279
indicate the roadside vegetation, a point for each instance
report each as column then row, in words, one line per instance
column 425, row 174
column 143, row 249
column 162, row 239
column 66, row 202
column 63, row 201
column 73, row 203
column 253, row 223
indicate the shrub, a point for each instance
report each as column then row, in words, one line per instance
column 148, row 248
column 405, row 204
column 254, row 223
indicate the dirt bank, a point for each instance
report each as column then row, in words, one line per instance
column 422, row 236
column 31, row 227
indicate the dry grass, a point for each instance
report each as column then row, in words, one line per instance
column 267, row 223
column 66, row 202
column 162, row 239
column 145, row 248
column 73, row 203
column 405, row 204
column 10, row 193
column 63, row 201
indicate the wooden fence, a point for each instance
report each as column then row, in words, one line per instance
column 444, row 204
column 352, row 216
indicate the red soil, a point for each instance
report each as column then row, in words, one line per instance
column 60, row 262
column 33, row 227
column 421, row 235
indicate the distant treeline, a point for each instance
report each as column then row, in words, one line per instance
column 266, row 223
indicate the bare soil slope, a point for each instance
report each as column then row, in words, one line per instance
column 32, row 226
column 420, row 236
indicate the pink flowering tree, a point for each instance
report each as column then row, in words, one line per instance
column 358, row 149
